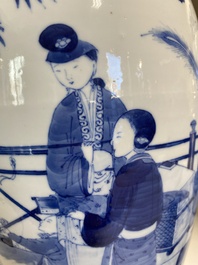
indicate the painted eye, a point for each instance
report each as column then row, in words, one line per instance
column 58, row 71
column 76, row 66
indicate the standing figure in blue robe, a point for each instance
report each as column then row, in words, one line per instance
column 135, row 207
column 81, row 126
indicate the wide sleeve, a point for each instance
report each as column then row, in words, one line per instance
column 40, row 246
column 100, row 232
column 67, row 169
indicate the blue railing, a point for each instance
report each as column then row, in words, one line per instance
column 43, row 150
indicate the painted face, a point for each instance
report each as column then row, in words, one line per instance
column 48, row 225
column 123, row 138
column 75, row 74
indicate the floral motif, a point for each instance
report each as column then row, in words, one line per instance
column 62, row 43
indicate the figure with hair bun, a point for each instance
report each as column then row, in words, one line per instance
column 135, row 207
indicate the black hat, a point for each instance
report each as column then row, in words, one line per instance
column 63, row 44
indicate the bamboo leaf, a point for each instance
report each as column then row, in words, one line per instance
column 1, row 28
column 177, row 44
column 41, row 2
column 2, row 41
column 17, row 3
column 28, row 3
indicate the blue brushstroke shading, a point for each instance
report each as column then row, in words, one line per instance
column 20, row 205
column 1, row 39
column 24, row 172
column 177, row 44
column 43, row 149
column 182, row 1
column 12, row 177
column 28, row 2
column 17, row 2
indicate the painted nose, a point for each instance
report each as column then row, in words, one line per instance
column 68, row 75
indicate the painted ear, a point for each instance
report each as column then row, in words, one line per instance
column 94, row 68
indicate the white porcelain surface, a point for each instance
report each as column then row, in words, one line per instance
column 138, row 67
column 192, row 256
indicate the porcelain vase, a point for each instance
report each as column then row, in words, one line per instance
column 98, row 113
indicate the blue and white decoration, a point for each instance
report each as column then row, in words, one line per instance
column 108, row 200
column 28, row 2
column 177, row 44
column 1, row 38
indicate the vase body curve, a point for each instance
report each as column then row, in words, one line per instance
column 98, row 113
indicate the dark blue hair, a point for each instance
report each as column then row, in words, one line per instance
column 92, row 55
column 144, row 126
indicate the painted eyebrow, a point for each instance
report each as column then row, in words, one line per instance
column 119, row 132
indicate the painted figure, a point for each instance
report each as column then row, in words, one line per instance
column 43, row 250
column 136, row 201
column 82, row 124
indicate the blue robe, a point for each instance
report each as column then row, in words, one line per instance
column 135, row 204
column 67, row 168
column 41, row 249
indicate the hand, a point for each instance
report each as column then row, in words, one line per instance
column 77, row 215
column 62, row 242
column 102, row 160
column 88, row 152
column 4, row 232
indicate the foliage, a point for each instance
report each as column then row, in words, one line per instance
column 178, row 45
column 28, row 2
column 1, row 39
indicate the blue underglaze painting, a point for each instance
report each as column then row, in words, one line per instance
column 18, row 2
column 29, row 2
column 109, row 203
column 1, row 38
column 177, row 44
